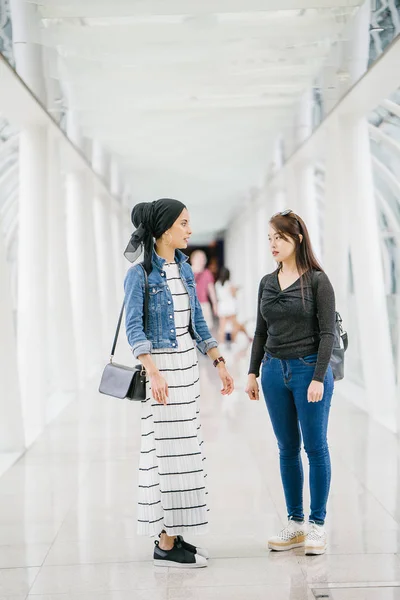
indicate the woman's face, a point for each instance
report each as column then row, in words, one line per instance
column 198, row 260
column 181, row 230
column 281, row 249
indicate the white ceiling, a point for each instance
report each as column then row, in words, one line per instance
column 189, row 94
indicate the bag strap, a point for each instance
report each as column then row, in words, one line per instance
column 338, row 318
column 343, row 334
column 145, row 313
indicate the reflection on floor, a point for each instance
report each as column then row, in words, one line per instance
column 67, row 509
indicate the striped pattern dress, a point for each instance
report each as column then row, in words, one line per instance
column 172, row 478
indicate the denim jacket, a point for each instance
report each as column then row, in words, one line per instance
column 161, row 332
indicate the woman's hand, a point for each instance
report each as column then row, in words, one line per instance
column 227, row 381
column 315, row 391
column 252, row 389
column 159, row 387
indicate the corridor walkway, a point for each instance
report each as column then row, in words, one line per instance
column 68, row 524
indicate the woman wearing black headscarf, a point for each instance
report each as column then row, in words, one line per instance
column 172, row 478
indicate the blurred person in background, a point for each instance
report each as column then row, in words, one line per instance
column 227, row 309
column 205, row 286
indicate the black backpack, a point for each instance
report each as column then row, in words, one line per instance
column 340, row 344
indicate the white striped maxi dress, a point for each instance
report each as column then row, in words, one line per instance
column 172, row 478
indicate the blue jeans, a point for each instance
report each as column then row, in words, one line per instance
column 285, row 384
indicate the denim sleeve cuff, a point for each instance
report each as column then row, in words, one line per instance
column 206, row 345
column 142, row 347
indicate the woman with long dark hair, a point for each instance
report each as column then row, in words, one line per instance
column 172, row 496
column 293, row 341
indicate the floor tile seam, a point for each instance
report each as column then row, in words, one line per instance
column 149, row 561
column 97, row 563
column 353, row 554
column 139, row 561
column 167, row 587
column 199, row 585
column 83, row 594
column 34, row 579
column 354, row 585
column 366, row 489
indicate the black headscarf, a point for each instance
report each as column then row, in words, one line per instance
column 151, row 219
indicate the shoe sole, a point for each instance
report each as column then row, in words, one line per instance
column 283, row 546
column 277, row 548
column 313, row 551
column 175, row 565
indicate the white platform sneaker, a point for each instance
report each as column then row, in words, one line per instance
column 316, row 540
column 292, row 536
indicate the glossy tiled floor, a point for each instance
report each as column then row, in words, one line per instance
column 67, row 510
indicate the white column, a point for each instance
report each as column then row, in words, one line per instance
column 83, row 269
column 82, row 253
column 27, row 50
column 337, row 213
column 262, row 218
column 106, row 267
column 118, row 227
column 32, row 234
column 32, row 279
column 277, row 201
column 291, row 188
column 61, row 343
column 360, row 40
column 11, row 424
column 305, row 176
column 309, row 210
column 103, row 215
column 249, row 268
column 118, row 247
column 372, row 313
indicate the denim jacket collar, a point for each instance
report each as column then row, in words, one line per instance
column 159, row 262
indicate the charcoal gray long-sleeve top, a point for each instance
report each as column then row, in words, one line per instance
column 290, row 326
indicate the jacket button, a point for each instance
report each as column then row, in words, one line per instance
column 172, row 331
column 169, row 301
column 170, row 316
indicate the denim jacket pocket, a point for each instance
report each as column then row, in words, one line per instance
column 155, row 308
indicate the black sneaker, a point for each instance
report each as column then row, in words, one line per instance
column 178, row 556
column 193, row 549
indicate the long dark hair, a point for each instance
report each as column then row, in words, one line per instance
column 224, row 275
column 292, row 226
